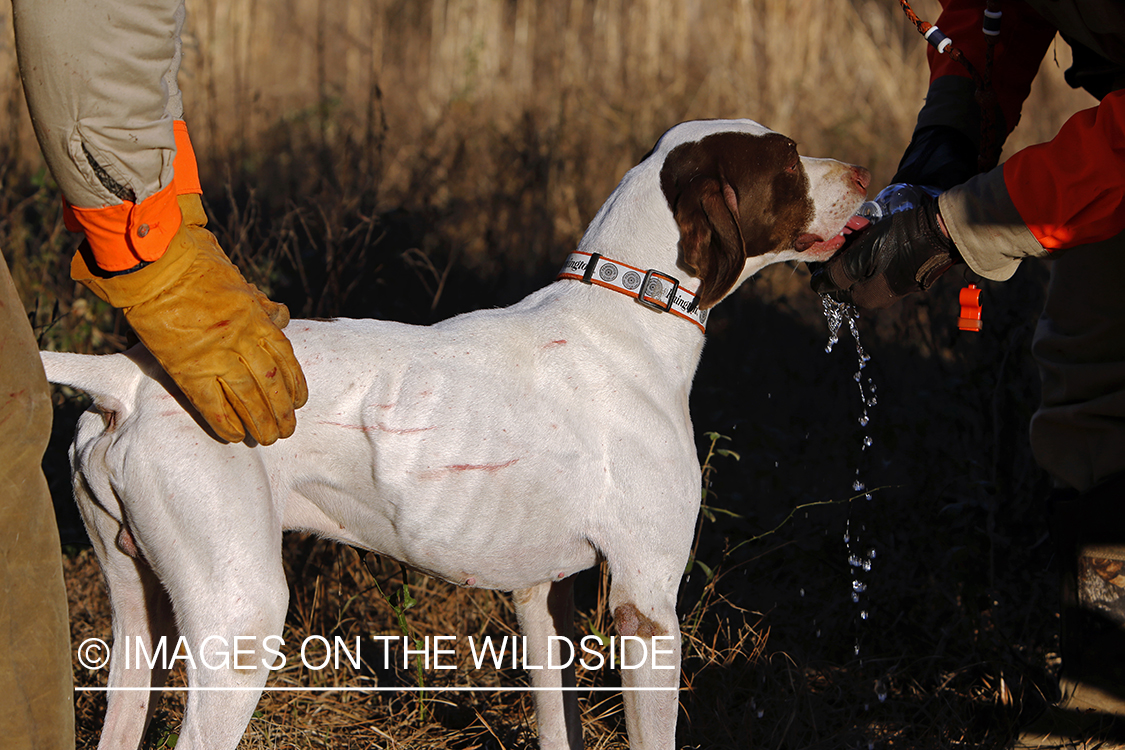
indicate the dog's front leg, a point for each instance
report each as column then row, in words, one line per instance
column 548, row 610
column 650, row 660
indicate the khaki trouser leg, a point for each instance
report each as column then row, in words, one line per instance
column 36, row 679
column 1078, row 435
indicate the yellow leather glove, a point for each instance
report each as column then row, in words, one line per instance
column 217, row 336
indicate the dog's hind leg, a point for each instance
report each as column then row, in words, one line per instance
column 214, row 541
column 143, row 628
column 234, row 601
column 543, row 611
column 644, row 616
column 234, row 631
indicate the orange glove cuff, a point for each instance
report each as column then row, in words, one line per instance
column 122, row 236
column 184, row 166
column 126, row 234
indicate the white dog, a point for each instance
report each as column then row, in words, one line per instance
column 504, row 449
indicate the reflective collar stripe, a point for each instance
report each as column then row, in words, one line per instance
column 662, row 292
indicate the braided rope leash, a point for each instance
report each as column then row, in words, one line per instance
column 991, row 139
column 990, row 136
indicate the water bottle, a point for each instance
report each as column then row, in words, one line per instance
column 894, row 198
column 901, row 196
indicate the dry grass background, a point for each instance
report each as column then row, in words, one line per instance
column 412, row 159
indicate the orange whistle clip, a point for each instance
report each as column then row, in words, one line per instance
column 970, row 319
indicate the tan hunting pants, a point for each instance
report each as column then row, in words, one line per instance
column 100, row 81
column 36, row 681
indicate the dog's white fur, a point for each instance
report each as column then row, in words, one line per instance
column 504, row 449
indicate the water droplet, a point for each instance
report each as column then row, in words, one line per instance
column 835, row 312
column 802, row 592
column 859, row 586
column 857, row 485
column 863, row 615
column 864, row 420
column 867, row 441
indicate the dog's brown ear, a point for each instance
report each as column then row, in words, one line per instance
column 711, row 244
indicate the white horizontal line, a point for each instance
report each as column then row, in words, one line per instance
column 374, row 689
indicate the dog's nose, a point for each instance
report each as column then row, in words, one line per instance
column 862, row 178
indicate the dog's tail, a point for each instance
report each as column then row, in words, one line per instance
column 110, row 379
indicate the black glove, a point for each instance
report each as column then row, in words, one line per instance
column 938, row 156
column 892, row 258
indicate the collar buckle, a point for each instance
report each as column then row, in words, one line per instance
column 651, row 293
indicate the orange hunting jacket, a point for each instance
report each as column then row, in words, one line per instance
column 1070, row 190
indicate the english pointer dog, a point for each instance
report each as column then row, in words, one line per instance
column 504, row 449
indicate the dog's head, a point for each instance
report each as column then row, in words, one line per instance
column 742, row 198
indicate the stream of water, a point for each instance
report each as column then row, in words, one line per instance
column 860, row 561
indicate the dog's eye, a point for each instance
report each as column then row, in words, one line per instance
column 794, row 162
